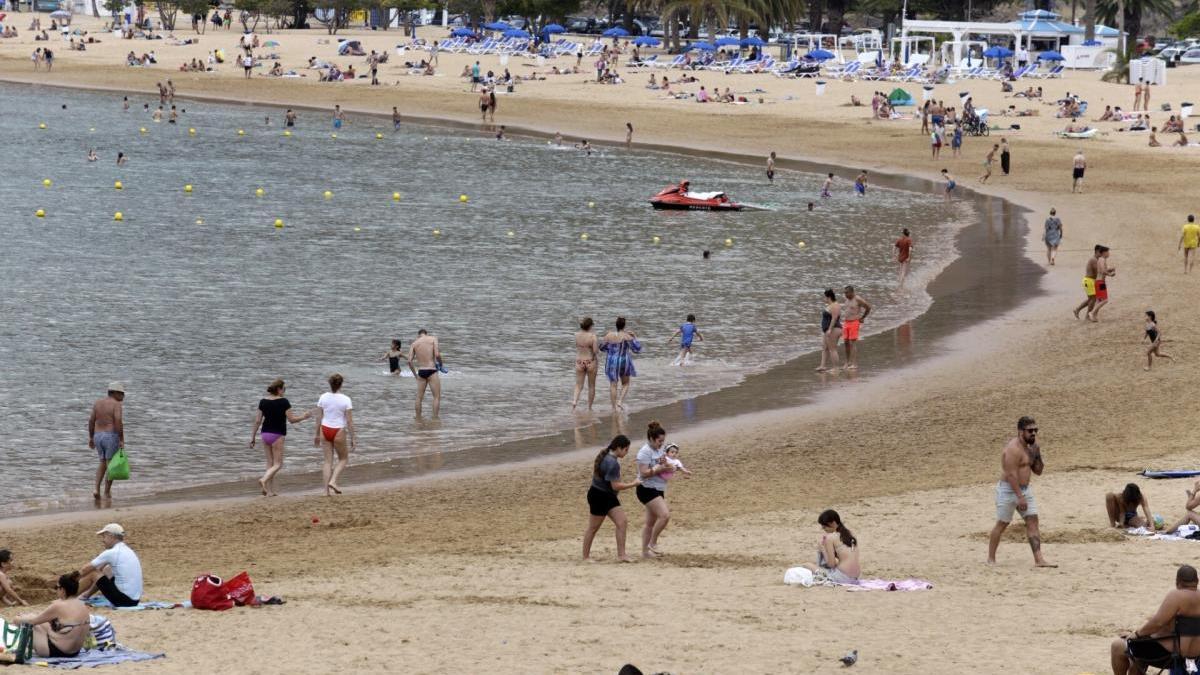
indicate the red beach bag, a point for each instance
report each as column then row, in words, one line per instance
column 240, row 590
column 208, row 592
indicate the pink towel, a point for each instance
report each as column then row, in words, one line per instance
column 889, row 585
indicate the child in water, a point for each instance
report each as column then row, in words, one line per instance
column 393, row 357
column 686, row 334
column 1155, row 338
column 672, row 460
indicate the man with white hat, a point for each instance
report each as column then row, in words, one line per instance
column 116, row 573
column 106, row 432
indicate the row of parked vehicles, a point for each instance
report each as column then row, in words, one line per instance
column 1179, row 51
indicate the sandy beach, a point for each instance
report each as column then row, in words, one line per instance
column 480, row 570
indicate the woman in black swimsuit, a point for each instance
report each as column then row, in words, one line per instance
column 1155, row 338
column 831, row 330
column 61, row 629
column 393, row 356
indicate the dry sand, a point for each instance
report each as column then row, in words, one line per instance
column 480, row 572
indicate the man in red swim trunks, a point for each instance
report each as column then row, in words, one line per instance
column 903, row 253
column 854, row 311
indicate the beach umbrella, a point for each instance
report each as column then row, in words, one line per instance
column 60, row 14
column 616, row 31
column 1050, row 56
column 753, row 41
column 1092, row 43
column 726, row 41
column 461, row 32
column 516, row 33
column 997, row 53
column 497, row 25
column 819, row 55
column 270, row 43
column 703, row 46
column 646, row 41
column 554, row 28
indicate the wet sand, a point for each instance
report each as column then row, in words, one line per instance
column 481, row 571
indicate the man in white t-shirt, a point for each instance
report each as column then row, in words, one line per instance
column 116, row 573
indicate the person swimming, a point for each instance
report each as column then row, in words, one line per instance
column 92, row 156
column 393, row 356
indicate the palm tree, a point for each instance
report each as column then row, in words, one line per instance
column 1110, row 12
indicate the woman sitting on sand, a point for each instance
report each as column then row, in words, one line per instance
column 837, row 553
column 1122, row 508
column 1182, row 142
column 602, row 496
column 60, row 630
column 8, row 592
column 1154, row 137
column 1190, row 506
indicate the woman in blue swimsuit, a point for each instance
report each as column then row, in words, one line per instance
column 620, row 346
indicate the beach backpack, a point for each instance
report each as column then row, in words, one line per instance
column 103, row 635
column 208, row 593
column 16, row 641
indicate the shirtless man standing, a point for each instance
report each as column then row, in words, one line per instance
column 587, row 352
column 1022, row 458
column 106, row 433
column 1103, row 272
column 1078, row 167
column 424, row 350
column 855, row 309
column 1089, row 283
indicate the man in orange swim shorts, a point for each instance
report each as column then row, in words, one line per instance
column 854, row 311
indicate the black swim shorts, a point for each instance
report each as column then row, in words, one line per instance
column 600, row 502
column 646, row 495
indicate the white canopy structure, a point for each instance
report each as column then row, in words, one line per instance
column 1037, row 25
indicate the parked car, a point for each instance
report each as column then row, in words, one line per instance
column 1190, row 56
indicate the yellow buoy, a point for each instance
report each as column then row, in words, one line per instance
column 278, row 222
column 333, row 135
column 583, row 236
column 328, row 195
column 511, row 233
column 42, row 125
column 142, row 130
column 729, row 242
column 287, row 134
column 378, row 136
column 47, row 182
column 118, row 216
column 358, row 229
column 259, row 192
column 199, row 221
column 241, row 132
column 191, row 132
column 93, row 129
column 437, row 232
column 40, row 213
column 802, row 244
column 187, row 189
column 462, row 198
column 117, row 185
column 591, row 205
column 656, row 239
column 395, row 196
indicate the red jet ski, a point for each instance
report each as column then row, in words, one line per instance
column 679, row 197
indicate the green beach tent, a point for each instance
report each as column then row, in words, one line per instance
column 900, row 97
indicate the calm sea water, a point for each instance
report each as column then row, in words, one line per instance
column 196, row 302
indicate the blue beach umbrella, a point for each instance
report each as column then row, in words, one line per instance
column 1050, row 56
column 646, row 41
column 616, row 31
column 819, row 55
column 516, row 33
column 998, row 53
column 726, row 41
column 753, row 41
column 554, row 28
column 497, row 25
column 703, row 46
column 461, row 32
column 1092, row 43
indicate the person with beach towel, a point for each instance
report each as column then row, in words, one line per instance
column 619, row 346
column 837, row 553
column 116, row 573
column 61, row 629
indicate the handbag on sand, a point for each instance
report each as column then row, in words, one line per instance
column 118, row 466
